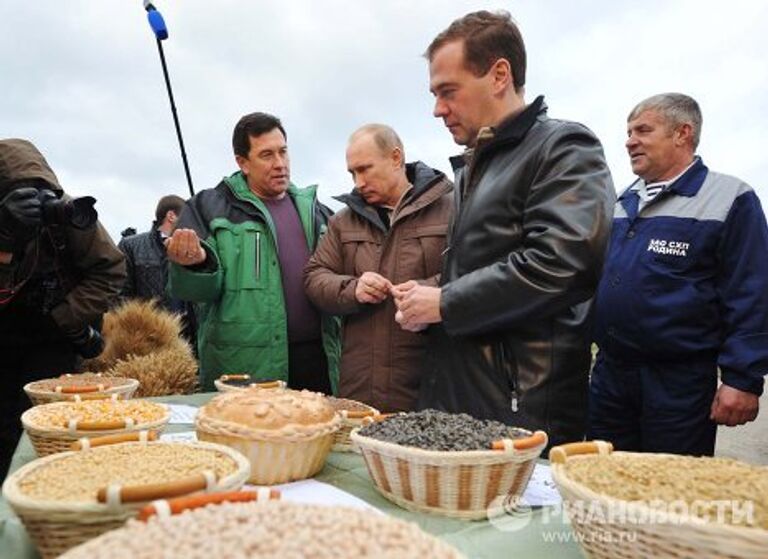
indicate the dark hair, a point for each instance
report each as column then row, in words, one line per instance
column 168, row 203
column 254, row 124
column 487, row 37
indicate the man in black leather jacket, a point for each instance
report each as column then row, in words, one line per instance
column 534, row 201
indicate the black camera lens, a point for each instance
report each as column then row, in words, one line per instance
column 78, row 212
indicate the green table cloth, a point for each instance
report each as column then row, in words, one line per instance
column 540, row 534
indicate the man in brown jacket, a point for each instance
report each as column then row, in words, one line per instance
column 59, row 272
column 393, row 230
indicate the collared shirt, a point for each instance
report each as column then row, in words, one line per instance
column 649, row 191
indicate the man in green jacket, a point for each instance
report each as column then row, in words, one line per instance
column 239, row 251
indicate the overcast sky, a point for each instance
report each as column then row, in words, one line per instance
column 82, row 80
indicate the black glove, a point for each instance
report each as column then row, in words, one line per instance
column 88, row 342
column 23, row 206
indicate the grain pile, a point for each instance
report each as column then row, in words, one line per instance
column 78, row 476
column 85, row 379
column 270, row 529
column 659, row 479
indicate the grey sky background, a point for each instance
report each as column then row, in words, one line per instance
column 82, row 80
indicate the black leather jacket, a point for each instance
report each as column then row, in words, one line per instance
column 534, row 208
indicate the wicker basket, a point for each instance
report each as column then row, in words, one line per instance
column 272, row 429
column 56, row 526
column 222, row 386
column 275, row 461
column 38, row 395
column 454, row 484
column 350, row 419
column 47, row 440
column 608, row 527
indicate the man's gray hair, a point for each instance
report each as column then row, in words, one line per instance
column 384, row 136
column 676, row 108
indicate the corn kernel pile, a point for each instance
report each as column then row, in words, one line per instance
column 79, row 476
column 59, row 414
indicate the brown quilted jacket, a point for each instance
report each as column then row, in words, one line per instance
column 381, row 364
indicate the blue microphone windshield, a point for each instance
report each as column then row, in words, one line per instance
column 157, row 23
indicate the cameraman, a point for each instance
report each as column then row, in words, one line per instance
column 59, row 272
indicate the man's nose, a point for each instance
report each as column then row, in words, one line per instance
column 631, row 141
column 441, row 109
column 359, row 180
column 281, row 160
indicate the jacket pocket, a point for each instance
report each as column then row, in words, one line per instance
column 241, row 252
column 424, row 245
column 361, row 251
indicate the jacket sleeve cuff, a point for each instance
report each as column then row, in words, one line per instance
column 199, row 283
column 745, row 383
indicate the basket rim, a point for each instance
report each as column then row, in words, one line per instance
column 393, row 449
column 33, row 429
column 221, row 386
column 560, row 476
column 22, row 503
column 132, row 383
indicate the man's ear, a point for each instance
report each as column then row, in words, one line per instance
column 242, row 162
column 683, row 134
column 171, row 217
column 397, row 157
column 501, row 73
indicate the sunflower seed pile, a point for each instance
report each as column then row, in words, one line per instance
column 436, row 430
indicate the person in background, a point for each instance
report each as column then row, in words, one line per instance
column 59, row 273
column 393, row 229
column 684, row 293
column 534, row 199
column 147, row 264
column 239, row 251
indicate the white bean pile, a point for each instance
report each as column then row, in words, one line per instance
column 271, row 529
column 79, row 476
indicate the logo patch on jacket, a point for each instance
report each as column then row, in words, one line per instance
column 672, row 248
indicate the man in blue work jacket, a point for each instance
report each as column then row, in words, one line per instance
column 684, row 293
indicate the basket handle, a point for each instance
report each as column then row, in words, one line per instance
column 375, row 418
column 116, row 494
column 178, row 505
column 560, row 454
column 95, row 396
column 137, row 436
column 539, row 438
column 75, row 425
column 225, row 378
column 268, row 384
column 79, row 389
column 358, row 414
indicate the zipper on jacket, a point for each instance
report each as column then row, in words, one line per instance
column 258, row 254
column 502, row 365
